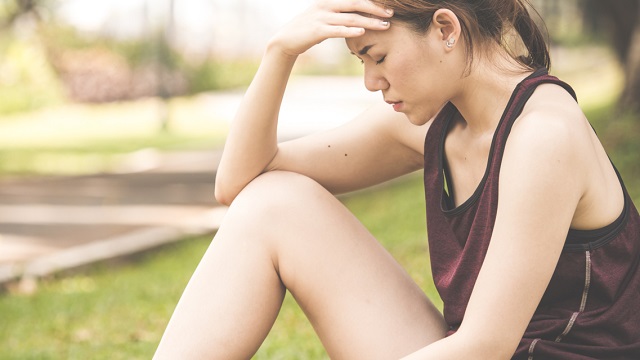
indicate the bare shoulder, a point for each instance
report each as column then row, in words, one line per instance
column 550, row 140
column 553, row 146
column 552, row 120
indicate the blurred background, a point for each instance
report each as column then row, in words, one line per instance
column 112, row 118
column 147, row 63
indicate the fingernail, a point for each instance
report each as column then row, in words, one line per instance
column 389, row 11
column 384, row 23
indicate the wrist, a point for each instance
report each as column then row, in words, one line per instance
column 276, row 48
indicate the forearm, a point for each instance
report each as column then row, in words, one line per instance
column 252, row 139
column 459, row 346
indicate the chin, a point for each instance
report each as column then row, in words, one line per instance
column 417, row 119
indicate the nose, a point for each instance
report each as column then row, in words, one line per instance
column 373, row 80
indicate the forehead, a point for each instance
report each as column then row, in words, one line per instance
column 396, row 33
column 369, row 38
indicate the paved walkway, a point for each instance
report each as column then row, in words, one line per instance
column 55, row 223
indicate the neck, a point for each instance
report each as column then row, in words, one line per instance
column 486, row 91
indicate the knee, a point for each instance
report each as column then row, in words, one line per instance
column 277, row 192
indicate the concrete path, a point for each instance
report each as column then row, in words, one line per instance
column 55, row 223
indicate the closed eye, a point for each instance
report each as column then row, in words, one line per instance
column 381, row 60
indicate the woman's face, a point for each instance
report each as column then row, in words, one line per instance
column 417, row 74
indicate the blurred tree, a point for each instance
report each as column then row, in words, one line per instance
column 622, row 19
column 12, row 11
column 166, row 64
column 27, row 81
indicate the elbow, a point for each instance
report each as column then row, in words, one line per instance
column 223, row 192
column 223, row 197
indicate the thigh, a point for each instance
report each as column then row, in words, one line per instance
column 361, row 302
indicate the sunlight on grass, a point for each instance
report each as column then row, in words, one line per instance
column 80, row 138
column 83, row 124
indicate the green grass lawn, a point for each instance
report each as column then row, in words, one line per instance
column 119, row 310
column 87, row 138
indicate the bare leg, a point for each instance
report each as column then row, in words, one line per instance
column 284, row 230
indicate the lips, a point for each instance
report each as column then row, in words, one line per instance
column 397, row 105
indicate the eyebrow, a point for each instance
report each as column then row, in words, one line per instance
column 365, row 50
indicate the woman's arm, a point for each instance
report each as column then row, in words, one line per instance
column 376, row 146
column 251, row 144
column 541, row 183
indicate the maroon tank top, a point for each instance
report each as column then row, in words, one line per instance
column 591, row 308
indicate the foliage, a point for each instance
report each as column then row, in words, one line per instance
column 215, row 74
column 618, row 132
column 27, row 81
column 57, row 61
column 13, row 10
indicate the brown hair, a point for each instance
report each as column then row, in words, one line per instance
column 481, row 20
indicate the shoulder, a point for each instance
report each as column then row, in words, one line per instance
column 549, row 139
column 551, row 120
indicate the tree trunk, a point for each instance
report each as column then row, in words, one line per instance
column 624, row 20
column 631, row 95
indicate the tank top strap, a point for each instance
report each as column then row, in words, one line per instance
column 518, row 100
column 433, row 140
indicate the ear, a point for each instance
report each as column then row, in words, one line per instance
column 447, row 27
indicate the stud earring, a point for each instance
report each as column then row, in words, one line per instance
column 450, row 43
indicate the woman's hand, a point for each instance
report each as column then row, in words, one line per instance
column 330, row 19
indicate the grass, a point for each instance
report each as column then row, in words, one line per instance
column 619, row 134
column 81, row 138
column 119, row 311
column 105, row 313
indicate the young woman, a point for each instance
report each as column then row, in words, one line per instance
column 534, row 242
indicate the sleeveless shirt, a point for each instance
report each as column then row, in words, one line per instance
column 591, row 307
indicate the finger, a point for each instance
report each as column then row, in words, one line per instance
column 356, row 20
column 342, row 32
column 363, row 6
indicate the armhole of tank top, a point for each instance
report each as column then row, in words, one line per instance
column 447, row 201
column 582, row 240
column 448, row 195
